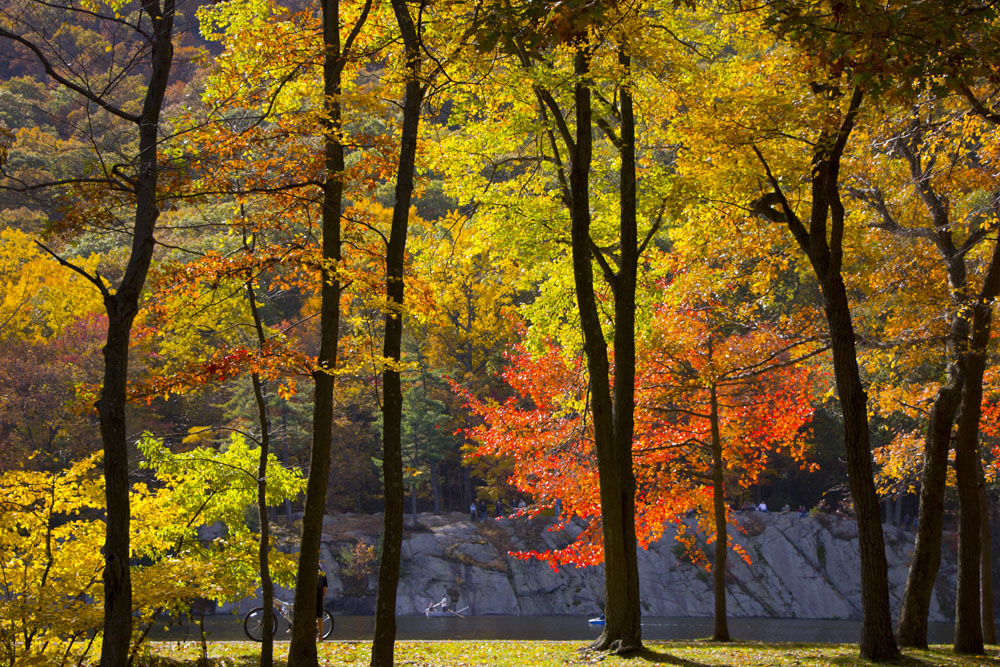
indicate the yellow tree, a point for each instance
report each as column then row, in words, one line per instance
column 938, row 234
column 789, row 139
column 144, row 49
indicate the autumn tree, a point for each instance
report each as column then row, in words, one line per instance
column 51, row 537
column 147, row 51
column 413, row 75
column 726, row 390
column 927, row 154
column 815, row 216
column 572, row 67
column 715, row 398
column 468, row 285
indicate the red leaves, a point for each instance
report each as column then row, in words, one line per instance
column 763, row 400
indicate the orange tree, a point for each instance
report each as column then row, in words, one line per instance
column 714, row 398
column 725, row 394
column 778, row 150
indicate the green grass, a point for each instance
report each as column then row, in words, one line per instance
column 561, row 654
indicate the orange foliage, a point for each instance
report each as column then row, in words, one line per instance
column 763, row 403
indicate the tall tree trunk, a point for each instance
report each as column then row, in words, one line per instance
column 877, row 642
column 916, row 602
column 822, row 242
column 264, row 540
column 721, row 631
column 629, row 635
column 384, row 639
column 912, row 625
column 122, row 307
column 622, row 631
column 968, row 623
column 302, row 650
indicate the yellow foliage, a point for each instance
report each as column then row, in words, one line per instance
column 38, row 297
column 51, row 537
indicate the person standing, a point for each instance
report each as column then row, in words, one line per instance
column 321, row 585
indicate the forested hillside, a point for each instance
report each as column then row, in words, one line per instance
column 628, row 262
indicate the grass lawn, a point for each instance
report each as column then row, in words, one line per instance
column 560, row 654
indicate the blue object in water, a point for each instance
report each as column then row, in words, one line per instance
column 597, row 621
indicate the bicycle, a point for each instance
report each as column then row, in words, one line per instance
column 253, row 624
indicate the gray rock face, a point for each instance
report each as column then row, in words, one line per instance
column 800, row 568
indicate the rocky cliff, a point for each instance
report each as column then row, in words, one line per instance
column 801, row 568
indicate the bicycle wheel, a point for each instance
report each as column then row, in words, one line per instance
column 327, row 624
column 253, row 624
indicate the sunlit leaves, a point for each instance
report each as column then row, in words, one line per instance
column 52, row 531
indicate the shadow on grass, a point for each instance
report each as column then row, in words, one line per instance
column 662, row 658
column 941, row 656
column 245, row 660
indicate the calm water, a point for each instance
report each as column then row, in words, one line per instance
column 566, row 628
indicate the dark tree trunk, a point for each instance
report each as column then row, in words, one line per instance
column 822, row 242
column 721, row 632
column 436, row 486
column 264, row 540
column 912, row 625
column 122, row 307
column 384, row 639
column 877, row 642
column 968, row 623
column 302, row 650
column 612, row 428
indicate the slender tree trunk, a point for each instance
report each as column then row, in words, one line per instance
column 436, row 486
column 384, row 639
column 622, row 632
column 912, row 626
column 985, row 564
column 822, row 242
column 916, row 602
column 302, row 650
column 625, row 585
column 968, row 623
column 721, row 632
column 122, row 308
column 264, row 540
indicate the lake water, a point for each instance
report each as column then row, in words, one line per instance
column 565, row 628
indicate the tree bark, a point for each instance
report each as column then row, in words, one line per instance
column 383, row 641
column 822, row 242
column 612, row 427
column 912, row 625
column 721, row 631
column 302, row 650
column 877, row 641
column 916, row 602
column 264, row 540
column 968, row 623
column 122, row 307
